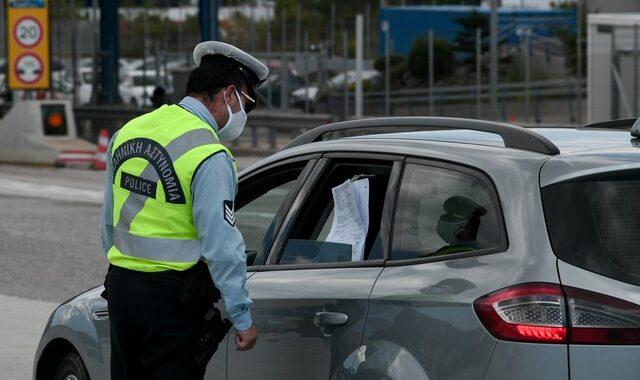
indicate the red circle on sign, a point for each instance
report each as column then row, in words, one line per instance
column 17, row 38
column 17, row 71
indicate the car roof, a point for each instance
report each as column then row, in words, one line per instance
column 558, row 154
column 568, row 140
column 583, row 151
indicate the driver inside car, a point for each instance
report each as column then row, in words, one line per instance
column 459, row 225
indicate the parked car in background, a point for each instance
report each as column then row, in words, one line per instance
column 138, row 87
column 473, row 250
column 312, row 95
column 84, row 83
column 274, row 83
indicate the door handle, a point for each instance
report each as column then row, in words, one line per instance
column 327, row 318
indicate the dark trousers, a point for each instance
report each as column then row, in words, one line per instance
column 151, row 337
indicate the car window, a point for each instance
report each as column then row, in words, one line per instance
column 313, row 238
column 593, row 223
column 443, row 212
column 253, row 219
column 259, row 200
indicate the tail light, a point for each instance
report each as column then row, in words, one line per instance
column 550, row 313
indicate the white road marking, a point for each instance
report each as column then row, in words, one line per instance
column 52, row 192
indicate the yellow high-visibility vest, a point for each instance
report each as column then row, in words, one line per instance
column 154, row 158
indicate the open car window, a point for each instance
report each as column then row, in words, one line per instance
column 340, row 219
column 262, row 201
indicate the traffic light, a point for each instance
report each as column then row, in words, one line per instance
column 54, row 119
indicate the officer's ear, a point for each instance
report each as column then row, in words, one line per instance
column 230, row 93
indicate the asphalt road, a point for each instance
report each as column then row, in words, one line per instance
column 49, row 251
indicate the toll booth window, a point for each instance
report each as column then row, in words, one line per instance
column 54, row 120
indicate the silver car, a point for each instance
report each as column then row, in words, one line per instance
column 490, row 252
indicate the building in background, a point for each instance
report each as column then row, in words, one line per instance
column 613, row 66
column 406, row 23
column 611, row 6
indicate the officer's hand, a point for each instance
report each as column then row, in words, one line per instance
column 245, row 340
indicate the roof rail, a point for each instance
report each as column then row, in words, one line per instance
column 625, row 124
column 512, row 135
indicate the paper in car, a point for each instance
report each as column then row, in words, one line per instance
column 351, row 216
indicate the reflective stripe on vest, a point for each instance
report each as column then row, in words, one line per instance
column 155, row 232
column 159, row 249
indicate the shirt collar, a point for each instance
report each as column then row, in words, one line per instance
column 194, row 106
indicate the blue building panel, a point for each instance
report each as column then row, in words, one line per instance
column 406, row 23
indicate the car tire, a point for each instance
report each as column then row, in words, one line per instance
column 71, row 367
column 134, row 103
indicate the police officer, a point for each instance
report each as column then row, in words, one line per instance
column 168, row 203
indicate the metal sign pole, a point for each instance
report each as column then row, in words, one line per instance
column 493, row 52
column 359, row 41
column 579, row 63
column 306, row 72
column 527, row 73
column 431, row 62
column 387, row 69
column 345, row 52
column 635, row 70
column 478, row 70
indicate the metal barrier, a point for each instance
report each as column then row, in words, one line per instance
column 261, row 124
column 460, row 101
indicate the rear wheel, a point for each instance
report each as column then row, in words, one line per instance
column 71, row 368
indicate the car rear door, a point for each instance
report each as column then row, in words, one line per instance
column 310, row 301
column 447, row 250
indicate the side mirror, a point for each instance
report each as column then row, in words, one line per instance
column 251, row 257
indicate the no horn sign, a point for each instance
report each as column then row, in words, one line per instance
column 28, row 45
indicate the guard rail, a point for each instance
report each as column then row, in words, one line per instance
column 260, row 124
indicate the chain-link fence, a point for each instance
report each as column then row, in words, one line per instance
column 312, row 68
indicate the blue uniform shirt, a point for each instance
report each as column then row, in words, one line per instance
column 222, row 243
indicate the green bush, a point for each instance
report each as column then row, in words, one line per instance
column 444, row 58
column 394, row 60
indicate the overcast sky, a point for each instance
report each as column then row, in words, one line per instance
column 528, row 3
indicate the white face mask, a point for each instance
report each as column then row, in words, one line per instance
column 235, row 125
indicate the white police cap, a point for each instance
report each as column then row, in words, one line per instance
column 216, row 47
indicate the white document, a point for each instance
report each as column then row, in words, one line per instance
column 351, row 216
column 360, row 189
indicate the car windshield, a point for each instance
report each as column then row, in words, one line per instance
column 594, row 223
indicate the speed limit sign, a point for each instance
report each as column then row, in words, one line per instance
column 28, row 32
column 28, row 44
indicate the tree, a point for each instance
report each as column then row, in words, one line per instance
column 569, row 39
column 443, row 56
column 465, row 41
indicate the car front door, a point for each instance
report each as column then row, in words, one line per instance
column 311, row 297
column 264, row 195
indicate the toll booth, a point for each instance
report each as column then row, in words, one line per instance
column 43, row 132
column 613, row 66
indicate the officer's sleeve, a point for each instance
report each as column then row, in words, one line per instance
column 214, row 191
column 106, row 217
